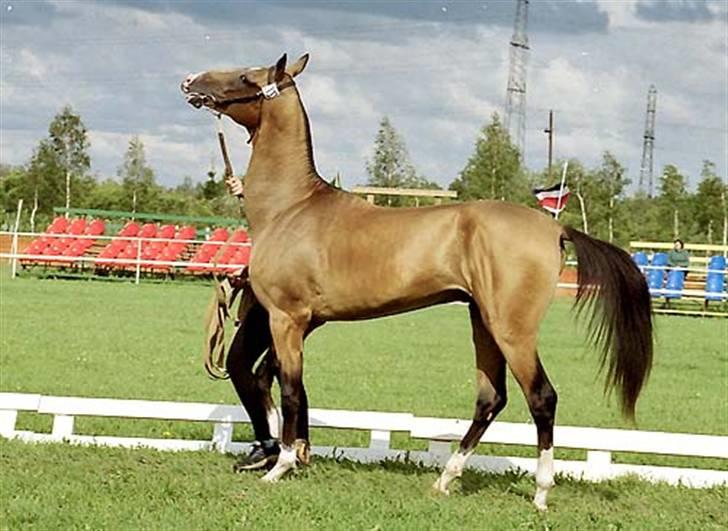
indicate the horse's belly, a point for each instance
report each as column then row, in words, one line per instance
column 369, row 303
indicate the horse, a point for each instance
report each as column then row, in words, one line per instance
column 502, row 259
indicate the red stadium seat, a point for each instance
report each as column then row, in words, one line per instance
column 219, row 235
column 186, row 233
column 166, row 231
column 77, row 227
column 239, row 236
column 129, row 230
column 96, row 228
column 148, row 230
column 58, row 226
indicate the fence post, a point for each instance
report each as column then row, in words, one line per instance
column 598, row 464
column 222, row 436
column 379, row 439
column 62, row 426
column 8, row 417
column 14, row 246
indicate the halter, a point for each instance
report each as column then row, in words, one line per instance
column 267, row 92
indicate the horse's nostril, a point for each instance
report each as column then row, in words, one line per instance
column 187, row 82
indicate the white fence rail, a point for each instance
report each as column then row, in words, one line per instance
column 599, row 443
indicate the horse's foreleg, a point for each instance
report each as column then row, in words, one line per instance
column 288, row 340
column 491, row 397
column 268, row 369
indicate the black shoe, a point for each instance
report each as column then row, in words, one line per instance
column 261, row 455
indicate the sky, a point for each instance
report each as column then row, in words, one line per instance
column 437, row 69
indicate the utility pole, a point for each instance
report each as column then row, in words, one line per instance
column 515, row 115
column 648, row 143
column 550, row 132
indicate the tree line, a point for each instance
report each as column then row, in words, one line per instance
column 58, row 173
column 600, row 204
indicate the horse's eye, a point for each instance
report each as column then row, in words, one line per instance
column 243, row 78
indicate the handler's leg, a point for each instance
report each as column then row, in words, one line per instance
column 253, row 389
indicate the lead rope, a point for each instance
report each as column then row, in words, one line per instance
column 225, row 292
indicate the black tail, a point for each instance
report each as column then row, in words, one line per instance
column 620, row 324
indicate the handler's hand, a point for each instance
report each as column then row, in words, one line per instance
column 235, row 186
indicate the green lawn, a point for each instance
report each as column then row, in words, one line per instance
column 106, row 339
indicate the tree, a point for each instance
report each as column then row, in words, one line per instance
column 137, row 178
column 390, row 166
column 67, row 136
column 672, row 195
column 610, row 178
column 709, row 202
column 494, row 169
column 212, row 189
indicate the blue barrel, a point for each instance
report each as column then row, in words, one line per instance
column 675, row 284
column 640, row 258
column 715, row 279
column 656, row 274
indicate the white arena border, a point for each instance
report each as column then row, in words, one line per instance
column 441, row 433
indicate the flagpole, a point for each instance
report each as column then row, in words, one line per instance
column 561, row 189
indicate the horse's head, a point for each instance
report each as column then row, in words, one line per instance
column 238, row 93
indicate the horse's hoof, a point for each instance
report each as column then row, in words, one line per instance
column 268, row 478
column 540, row 504
column 303, row 451
column 439, row 488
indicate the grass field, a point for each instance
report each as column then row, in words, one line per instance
column 120, row 340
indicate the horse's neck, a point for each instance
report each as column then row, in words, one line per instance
column 281, row 172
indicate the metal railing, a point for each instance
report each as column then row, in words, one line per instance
column 138, row 262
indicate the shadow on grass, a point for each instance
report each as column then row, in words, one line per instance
column 473, row 482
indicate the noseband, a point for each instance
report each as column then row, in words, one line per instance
column 267, row 92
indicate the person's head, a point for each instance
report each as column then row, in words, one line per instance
column 678, row 244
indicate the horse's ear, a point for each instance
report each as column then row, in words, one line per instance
column 280, row 69
column 298, row 67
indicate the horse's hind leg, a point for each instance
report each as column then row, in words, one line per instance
column 490, row 400
column 522, row 358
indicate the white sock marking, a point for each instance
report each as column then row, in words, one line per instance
column 544, row 477
column 453, row 469
column 286, row 461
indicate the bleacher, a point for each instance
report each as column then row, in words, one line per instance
column 80, row 245
column 699, row 289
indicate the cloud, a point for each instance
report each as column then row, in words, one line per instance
column 552, row 16
column 120, row 64
column 676, row 11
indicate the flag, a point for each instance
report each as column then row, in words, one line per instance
column 553, row 199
